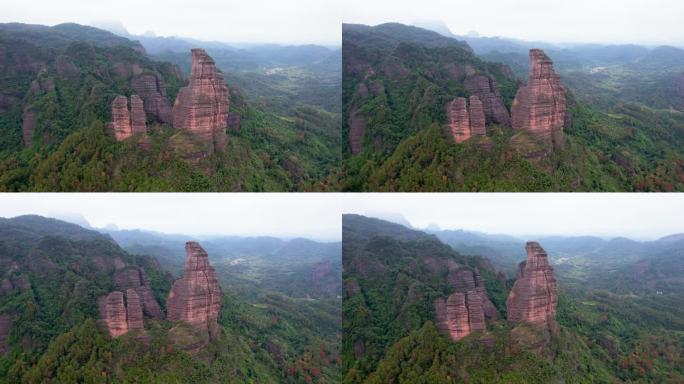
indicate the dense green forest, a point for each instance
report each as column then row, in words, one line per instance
column 288, row 137
column 391, row 276
column 622, row 146
column 58, row 270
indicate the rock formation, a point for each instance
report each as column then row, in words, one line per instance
column 152, row 90
column 487, row 90
column 119, row 316
column 121, row 119
column 202, row 106
column 136, row 279
column 234, row 122
column 127, row 123
column 195, row 298
column 540, row 106
column 534, row 295
column 464, row 311
column 460, row 314
column 5, row 327
column 462, row 125
column 138, row 123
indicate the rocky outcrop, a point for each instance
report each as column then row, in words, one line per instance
column 357, row 128
column 5, row 327
column 195, row 298
column 234, row 122
column 534, row 295
column 29, row 122
column 138, row 119
column 487, row 90
column 136, row 279
column 465, row 310
column 152, row 90
column 477, row 117
column 202, row 106
column 540, row 106
column 461, row 125
column 126, row 123
column 120, row 313
column 121, row 119
column 460, row 314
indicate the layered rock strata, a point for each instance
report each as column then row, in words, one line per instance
column 202, row 106
column 487, row 90
column 29, row 122
column 460, row 314
column 136, row 279
column 461, row 124
column 464, row 280
column 126, row 123
column 540, row 106
column 120, row 313
column 195, row 298
column 152, row 90
column 534, row 295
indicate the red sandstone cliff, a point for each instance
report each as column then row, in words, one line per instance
column 119, row 313
column 202, row 106
column 487, row 90
column 152, row 90
column 461, row 125
column 534, row 295
column 136, row 279
column 540, row 106
column 195, row 298
column 126, row 123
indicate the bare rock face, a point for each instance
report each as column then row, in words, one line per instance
column 5, row 327
column 461, row 125
column 460, row 314
column 464, row 280
column 112, row 311
column 477, row 116
column 234, row 122
column 540, row 107
column 28, row 125
column 357, row 128
column 138, row 119
column 120, row 313
column 136, row 279
column 121, row 119
column 534, row 295
column 202, row 106
column 126, row 123
column 487, row 90
column 195, row 298
column 152, row 90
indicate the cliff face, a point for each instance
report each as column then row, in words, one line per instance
column 195, row 298
column 136, row 279
column 540, row 106
column 487, row 90
column 120, row 313
column 461, row 125
column 125, row 123
column 464, row 311
column 534, row 295
column 202, row 106
column 152, row 90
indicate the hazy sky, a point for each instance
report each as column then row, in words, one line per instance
column 280, row 21
column 311, row 215
column 640, row 216
column 616, row 21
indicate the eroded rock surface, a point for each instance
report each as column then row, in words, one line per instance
column 202, row 106
column 152, row 90
column 121, row 119
column 534, row 295
column 28, row 125
column 462, row 124
column 195, row 298
column 357, row 128
column 460, row 314
column 120, row 313
column 487, row 90
column 136, row 279
column 540, row 106
column 138, row 119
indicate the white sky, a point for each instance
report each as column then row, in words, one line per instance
column 279, row 21
column 311, row 215
column 638, row 216
column 616, row 21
